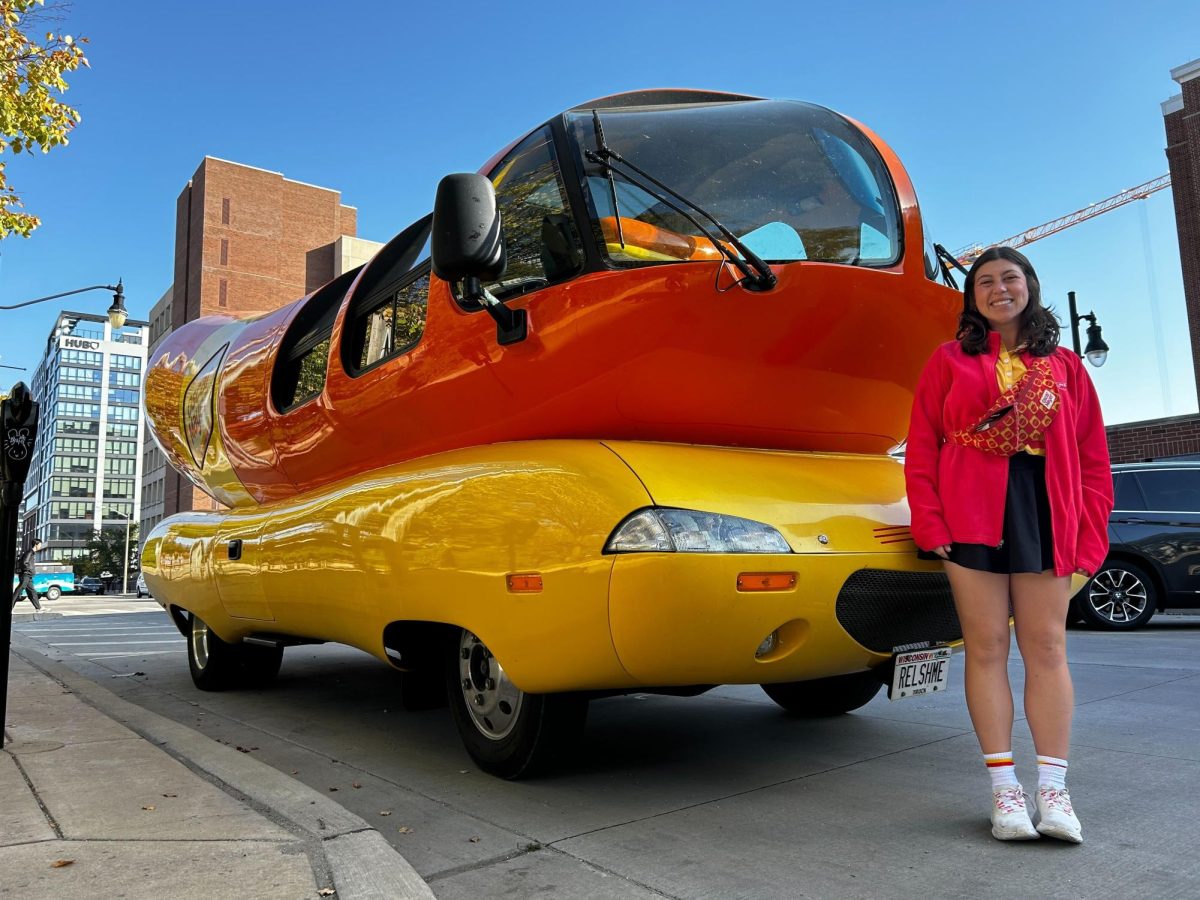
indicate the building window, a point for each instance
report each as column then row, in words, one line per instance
column 74, row 445
column 121, row 430
column 224, row 210
column 224, row 252
column 223, row 294
column 82, row 357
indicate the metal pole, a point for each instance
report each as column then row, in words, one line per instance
column 10, row 499
column 1074, row 324
column 125, row 563
column 18, row 433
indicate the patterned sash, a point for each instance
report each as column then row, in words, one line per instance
column 1019, row 417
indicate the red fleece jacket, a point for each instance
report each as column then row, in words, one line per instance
column 956, row 494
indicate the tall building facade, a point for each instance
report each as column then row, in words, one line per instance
column 1177, row 435
column 86, row 472
column 247, row 241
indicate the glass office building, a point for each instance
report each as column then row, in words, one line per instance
column 86, row 473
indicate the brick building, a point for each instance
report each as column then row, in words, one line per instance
column 247, row 241
column 1177, row 435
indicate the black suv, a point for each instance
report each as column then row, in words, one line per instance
column 1154, row 546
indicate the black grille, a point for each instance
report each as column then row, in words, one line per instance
column 883, row 609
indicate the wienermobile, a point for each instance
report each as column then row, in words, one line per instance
column 616, row 417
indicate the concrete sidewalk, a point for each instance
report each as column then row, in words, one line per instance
column 99, row 797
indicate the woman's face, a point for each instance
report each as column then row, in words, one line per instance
column 1001, row 292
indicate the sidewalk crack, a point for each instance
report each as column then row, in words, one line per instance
column 37, row 797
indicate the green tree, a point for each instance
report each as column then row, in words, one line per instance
column 31, row 115
column 105, row 550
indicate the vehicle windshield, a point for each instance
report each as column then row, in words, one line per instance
column 793, row 181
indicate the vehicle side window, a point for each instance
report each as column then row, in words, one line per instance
column 303, row 355
column 198, row 401
column 393, row 322
column 540, row 238
column 1127, row 494
column 1171, row 490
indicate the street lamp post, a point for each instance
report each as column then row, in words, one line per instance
column 1096, row 351
column 125, row 561
column 18, row 432
column 116, row 313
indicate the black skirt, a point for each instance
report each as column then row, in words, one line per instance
column 1027, row 544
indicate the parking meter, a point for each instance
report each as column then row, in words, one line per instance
column 18, row 431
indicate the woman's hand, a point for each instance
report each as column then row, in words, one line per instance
column 943, row 551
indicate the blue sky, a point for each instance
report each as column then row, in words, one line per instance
column 1005, row 116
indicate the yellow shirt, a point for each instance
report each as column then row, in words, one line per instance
column 1010, row 370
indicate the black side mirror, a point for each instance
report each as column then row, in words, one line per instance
column 467, row 240
column 468, row 246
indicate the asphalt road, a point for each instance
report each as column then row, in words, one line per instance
column 715, row 796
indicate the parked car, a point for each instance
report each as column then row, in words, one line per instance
column 140, row 587
column 1154, row 546
column 89, row 585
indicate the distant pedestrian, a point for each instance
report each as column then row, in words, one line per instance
column 25, row 570
column 1009, row 482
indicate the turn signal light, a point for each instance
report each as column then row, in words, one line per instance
column 529, row 583
column 766, row 581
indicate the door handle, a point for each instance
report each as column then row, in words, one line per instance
column 235, row 549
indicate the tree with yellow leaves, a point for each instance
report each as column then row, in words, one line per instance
column 31, row 115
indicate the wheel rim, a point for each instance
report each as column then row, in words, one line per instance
column 1118, row 596
column 492, row 701
column 200, row 643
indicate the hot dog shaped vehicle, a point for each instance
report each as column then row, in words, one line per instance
column 624, row 428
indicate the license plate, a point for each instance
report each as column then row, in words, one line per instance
column 920, row 672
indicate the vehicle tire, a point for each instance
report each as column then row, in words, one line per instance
column 260, row 664
column 825, row 696
column 508, row 732
column 1120, row 597
column 215, row 665
column 53, row 592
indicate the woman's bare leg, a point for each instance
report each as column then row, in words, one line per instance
column 981, row 599
column 1040, row 612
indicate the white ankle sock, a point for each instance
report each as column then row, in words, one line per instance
column 1000, row 768
column 1052, row 772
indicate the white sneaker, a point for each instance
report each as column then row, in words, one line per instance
column 1010, row 818
column 1056, row 817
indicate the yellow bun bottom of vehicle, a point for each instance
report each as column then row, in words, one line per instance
column 423, row 542
column 517, row 581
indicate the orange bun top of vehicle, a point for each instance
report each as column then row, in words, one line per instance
column 629, row 225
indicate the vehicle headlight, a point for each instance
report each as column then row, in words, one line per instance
column 656, row 530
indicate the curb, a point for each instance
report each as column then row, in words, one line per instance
column 363, row 864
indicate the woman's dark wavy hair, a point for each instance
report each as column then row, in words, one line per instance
column 1039, row 329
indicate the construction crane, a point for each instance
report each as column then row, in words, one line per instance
column 970, row 253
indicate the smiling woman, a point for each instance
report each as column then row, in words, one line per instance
column 1008, row 479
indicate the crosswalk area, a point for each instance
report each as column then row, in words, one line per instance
column 87, row 605
column 107, row 636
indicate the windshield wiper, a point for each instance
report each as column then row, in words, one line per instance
column 612, row 182
column 946, row 259
column 757, row 276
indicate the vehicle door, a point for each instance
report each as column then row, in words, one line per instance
column 237, row 558
column 1158, row 514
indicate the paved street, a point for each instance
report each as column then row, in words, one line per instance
column 716, row 796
